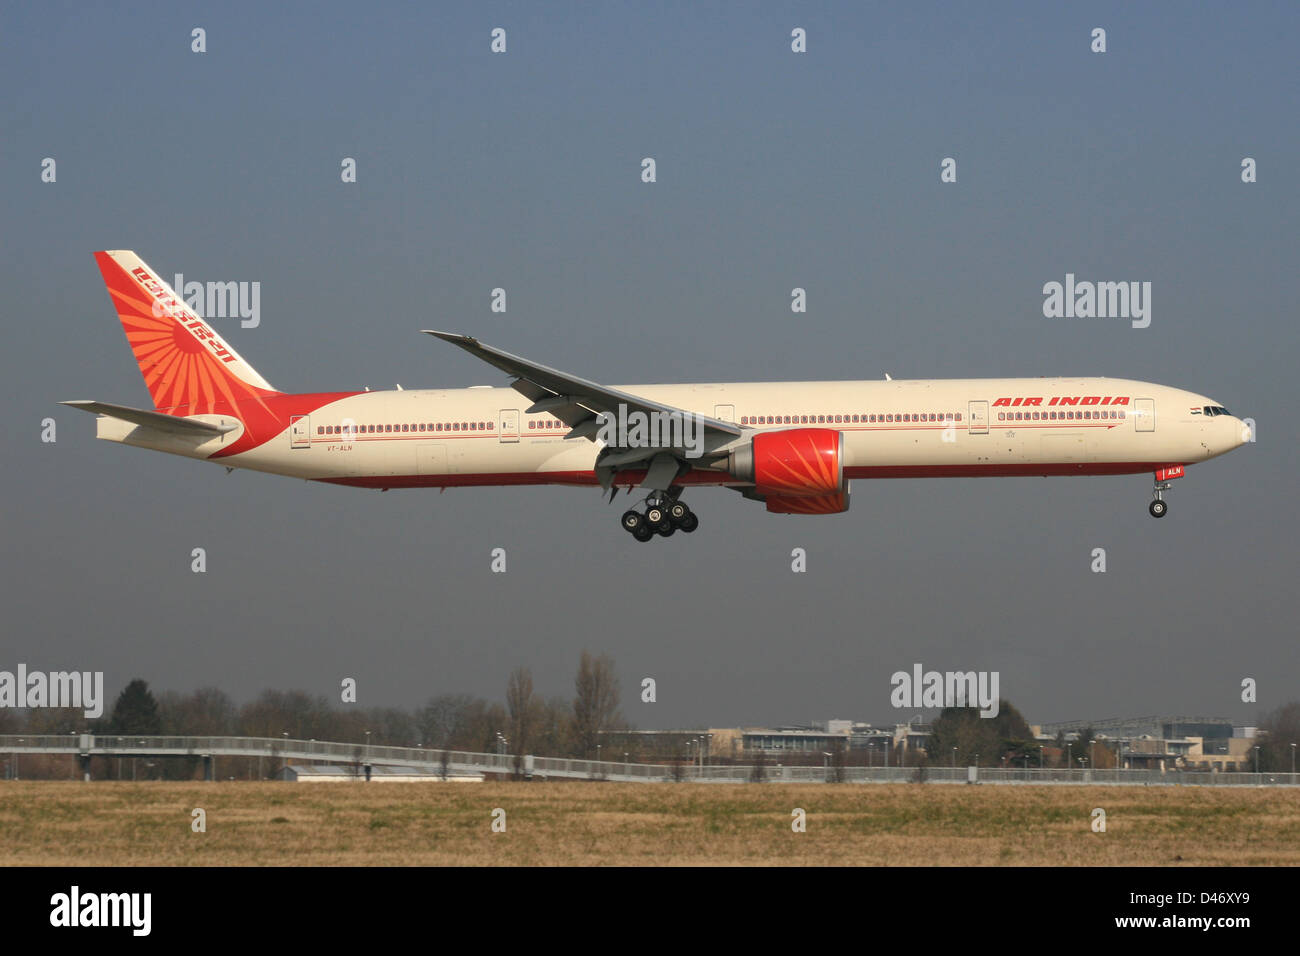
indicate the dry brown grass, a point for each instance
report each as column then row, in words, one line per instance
column 582, row 824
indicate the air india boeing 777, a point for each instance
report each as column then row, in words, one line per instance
column 792, row 445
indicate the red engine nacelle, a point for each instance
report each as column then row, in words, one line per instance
column 825, row 505
column 801, row 463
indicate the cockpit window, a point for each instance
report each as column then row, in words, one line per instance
column 1215, row 410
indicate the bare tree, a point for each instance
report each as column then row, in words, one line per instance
column 522, row 707
column 595, row 706
column 553, row 733
column 1280, row 731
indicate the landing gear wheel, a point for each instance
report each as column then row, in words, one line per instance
column 643, row 533
column 667, row 529
column 1158, row 508
column 678, row 512
column 689, row 523
column 655, row 516
column 632, row 520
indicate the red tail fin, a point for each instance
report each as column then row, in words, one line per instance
column 183, row 361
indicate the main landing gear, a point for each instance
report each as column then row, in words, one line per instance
column 664, row 515
column 1158, row 508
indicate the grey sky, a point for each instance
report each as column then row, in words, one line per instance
column 775, row 170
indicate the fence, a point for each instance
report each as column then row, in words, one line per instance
column 320, row 751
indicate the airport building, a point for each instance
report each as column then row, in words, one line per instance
column 1163, row 743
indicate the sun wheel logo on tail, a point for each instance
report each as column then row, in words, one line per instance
column 800, row 471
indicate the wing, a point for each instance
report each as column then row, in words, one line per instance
column 577, row 402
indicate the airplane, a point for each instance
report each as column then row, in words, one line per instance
column 794, row 446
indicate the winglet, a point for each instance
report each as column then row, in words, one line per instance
column 453, row 337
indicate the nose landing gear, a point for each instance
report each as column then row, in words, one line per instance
column 664, row 515
column 1158, row 508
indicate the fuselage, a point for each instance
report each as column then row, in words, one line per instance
column 891, row 429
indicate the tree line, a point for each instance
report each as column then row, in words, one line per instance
column 525, row 723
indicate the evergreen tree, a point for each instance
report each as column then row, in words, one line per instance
column 135, row 712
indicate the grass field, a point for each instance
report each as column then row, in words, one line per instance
column 78, row 824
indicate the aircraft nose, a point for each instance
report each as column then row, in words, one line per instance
column 1244, row 433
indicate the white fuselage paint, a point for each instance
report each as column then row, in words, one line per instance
column 433, row 457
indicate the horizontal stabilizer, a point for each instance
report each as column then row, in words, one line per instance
column 168, row 423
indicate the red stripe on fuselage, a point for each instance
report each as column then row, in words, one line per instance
column 263, row 420
column 1062, row 469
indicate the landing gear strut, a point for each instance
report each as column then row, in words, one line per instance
column 1158, row 508
column 664, row 515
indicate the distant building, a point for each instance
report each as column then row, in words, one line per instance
column 1154, row 726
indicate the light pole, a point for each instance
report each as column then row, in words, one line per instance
column 954, row 758
column 1069, row 757
column 1257, row 761
column 826, row 767
column 1040, row 756
column 626, row 769
column 1293, row 762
